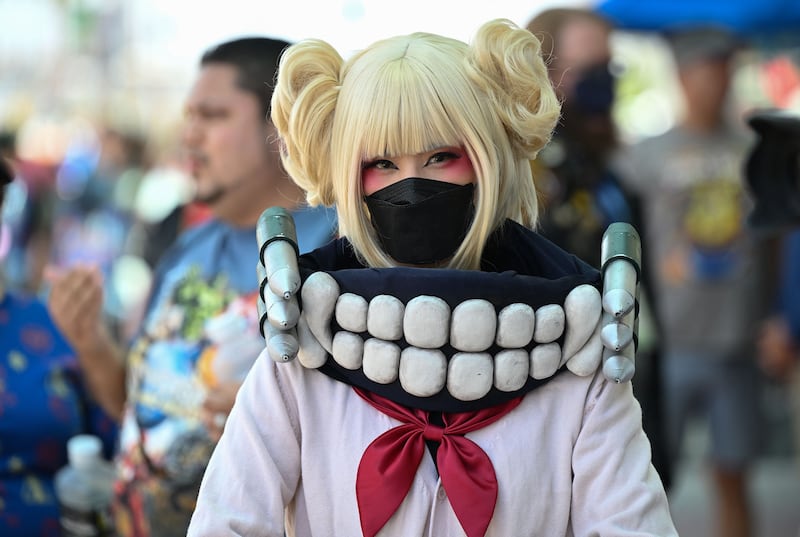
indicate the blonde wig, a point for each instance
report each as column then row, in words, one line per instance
column 410, row 94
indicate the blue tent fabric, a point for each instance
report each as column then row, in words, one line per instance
column 751, row 18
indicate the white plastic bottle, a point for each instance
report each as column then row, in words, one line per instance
column 85, row 488
column 237, row 348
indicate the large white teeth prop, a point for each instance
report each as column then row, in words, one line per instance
column 545, row 360
column 550, row 323
column 425, row 322
column 470, row 375
column 348, row 349
column 582, row 308
column 381, row 360
column 590, row 326
column 311, row 354
column 511, row 369
column 385, row 317
column 422, row 371
column 351, row 312
column 474, row 326
column 515, row 325
column 587, row 359
column 372, row 330
column 320, row 293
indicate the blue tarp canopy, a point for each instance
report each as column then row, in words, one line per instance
column 750, row 18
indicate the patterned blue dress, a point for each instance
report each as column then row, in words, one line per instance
column 42, row 404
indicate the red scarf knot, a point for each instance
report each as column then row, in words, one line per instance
column 390, row 462
column 433, row 432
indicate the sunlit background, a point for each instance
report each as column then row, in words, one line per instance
column 73, row 70
column 91, row 95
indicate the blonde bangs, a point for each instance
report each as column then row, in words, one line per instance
column 403, row 106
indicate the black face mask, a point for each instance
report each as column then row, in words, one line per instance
column 594, row 91
column 421, row 221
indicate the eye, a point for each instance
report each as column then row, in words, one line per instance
column 211, row 113
column 442, row 156
column 379, row 164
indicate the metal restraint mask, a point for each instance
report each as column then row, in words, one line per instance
column 421, row 221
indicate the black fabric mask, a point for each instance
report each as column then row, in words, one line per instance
column 594, row 91
column 420, row 221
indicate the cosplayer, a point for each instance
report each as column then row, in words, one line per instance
column 455, row 373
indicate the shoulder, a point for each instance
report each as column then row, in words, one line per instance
column 315, row 226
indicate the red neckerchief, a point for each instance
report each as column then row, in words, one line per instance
column 390, row 462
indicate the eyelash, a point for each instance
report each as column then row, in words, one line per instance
column 373, row 163
column 443, row 155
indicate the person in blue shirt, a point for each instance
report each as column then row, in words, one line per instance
column 176, row 384
column 43, row 403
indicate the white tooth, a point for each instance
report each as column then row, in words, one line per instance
column 311, row 354
column 473, row 326
column 545, row 360
column 470, row 375
column 381, row 360
column 385, row 317
column 582, row 307
column 319, row 294
column 511, row 369
column 515, row 324
column 549, row 323
column 426, row 322
column 586, row 361
column 351, row 312
column 348, row 349
column 422, row 371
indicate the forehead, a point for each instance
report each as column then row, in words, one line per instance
column 215, row 82
column 583, row 42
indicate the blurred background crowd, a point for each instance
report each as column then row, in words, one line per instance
column 91, row 110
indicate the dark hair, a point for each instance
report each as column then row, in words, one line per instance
column 256, row 59
column 6, row 176
column 548, row 24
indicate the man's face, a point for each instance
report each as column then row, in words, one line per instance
column 225, row 136
column 582, row 44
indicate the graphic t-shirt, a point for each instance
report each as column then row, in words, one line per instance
column 43, row 404
column 706, row 263
column 201, row 327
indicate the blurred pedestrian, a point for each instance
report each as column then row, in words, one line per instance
column 580, row 190
column 200, row 329
column 709, row 269
column 779, row 339
column 92, row 213
column 43, row 403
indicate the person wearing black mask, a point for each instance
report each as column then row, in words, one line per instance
column 580, row 191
